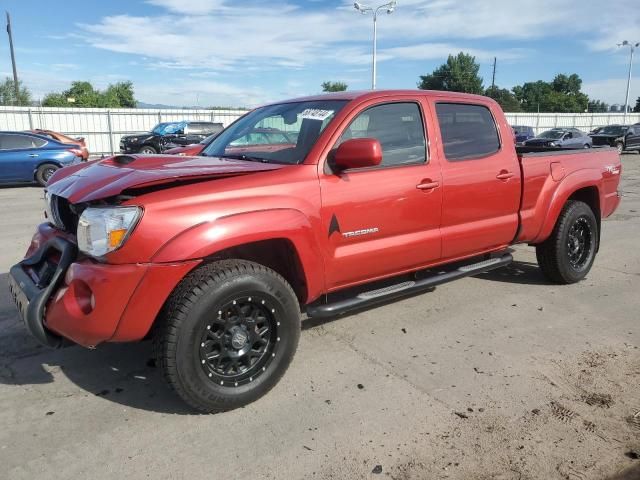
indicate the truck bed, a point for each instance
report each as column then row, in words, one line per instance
column 546, row 184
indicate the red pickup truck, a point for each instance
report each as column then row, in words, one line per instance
column 380, row 195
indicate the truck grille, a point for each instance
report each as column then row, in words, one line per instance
column 63, row 214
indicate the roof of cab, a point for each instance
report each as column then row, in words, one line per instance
column 366, row 94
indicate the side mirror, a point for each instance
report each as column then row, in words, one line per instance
column 358, row 153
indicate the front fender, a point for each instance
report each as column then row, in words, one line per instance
column 568, row 186
column 208, row 238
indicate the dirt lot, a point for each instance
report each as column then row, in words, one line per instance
column 501, row 376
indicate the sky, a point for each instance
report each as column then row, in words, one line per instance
column 247, row 52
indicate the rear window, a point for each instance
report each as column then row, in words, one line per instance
column 468, row 131
column 18, row 142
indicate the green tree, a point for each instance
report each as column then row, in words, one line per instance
column 562, row 95
column 505, row 98
column 458, row 74
column 120, row 94
column 598, row 106
column 637, row 107
column 8, row 93
column 82, row 94
column 334, row 86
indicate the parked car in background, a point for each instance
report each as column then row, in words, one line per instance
column 270, row 139
column 523, row 133
column 168, row 135
column 561, row 138
column 62, row 138
column 618, row 136
column 595, row 130
column 27, row 157
column 193, row 149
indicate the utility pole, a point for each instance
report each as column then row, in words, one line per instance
column 13, row 59
column 493, row 78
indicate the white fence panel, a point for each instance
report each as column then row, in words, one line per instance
column 583, row 121
column 102, row 128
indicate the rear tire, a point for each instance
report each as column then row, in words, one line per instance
column 568, row 254
column 227, row 334
column 44, row 173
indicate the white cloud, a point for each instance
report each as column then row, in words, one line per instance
column 613, row 90
column 223, row 37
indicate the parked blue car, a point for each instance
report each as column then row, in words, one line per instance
column 523, row 133
column 27, row 157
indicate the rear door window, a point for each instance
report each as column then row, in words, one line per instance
column 468, row 131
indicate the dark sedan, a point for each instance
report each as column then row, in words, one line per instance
column 619, row 136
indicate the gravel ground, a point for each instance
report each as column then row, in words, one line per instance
column 502, row 376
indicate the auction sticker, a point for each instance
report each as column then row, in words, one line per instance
column 316, row 114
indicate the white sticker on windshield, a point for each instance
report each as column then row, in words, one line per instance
column 316, row 114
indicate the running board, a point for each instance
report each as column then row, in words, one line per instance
column 405, row 288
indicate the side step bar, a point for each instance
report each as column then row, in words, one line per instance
column 405, row 288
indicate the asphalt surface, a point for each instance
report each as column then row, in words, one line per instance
column 499, row 376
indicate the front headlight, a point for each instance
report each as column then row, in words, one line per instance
column 104, row 229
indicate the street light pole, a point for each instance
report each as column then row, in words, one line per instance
column 633, row 47
column 364, row 9
column 16, row 86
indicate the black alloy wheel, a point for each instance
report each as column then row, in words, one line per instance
column 238, row 345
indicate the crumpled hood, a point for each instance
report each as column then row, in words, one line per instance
column 111, row 176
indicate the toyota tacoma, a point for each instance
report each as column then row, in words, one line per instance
column 380, row 195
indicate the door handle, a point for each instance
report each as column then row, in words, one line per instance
column 427, row 185
column 33, row 155
column 504, row 175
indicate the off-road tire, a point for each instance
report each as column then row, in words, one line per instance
column 44, row 173
column 188, row 313
column 554, row 253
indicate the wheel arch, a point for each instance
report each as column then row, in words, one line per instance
column 583, row 186
column 281, row 239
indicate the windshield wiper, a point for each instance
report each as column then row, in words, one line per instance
column 246, row 157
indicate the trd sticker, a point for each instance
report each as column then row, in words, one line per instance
column 316, row 114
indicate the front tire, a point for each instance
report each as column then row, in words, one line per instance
column 227, row 334
column 148, row 150
column 619, row 148
column 568, row 254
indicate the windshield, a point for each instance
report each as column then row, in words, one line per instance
column 167, row 128
column 613, row 130
column 553, row 134
column 281, row 133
